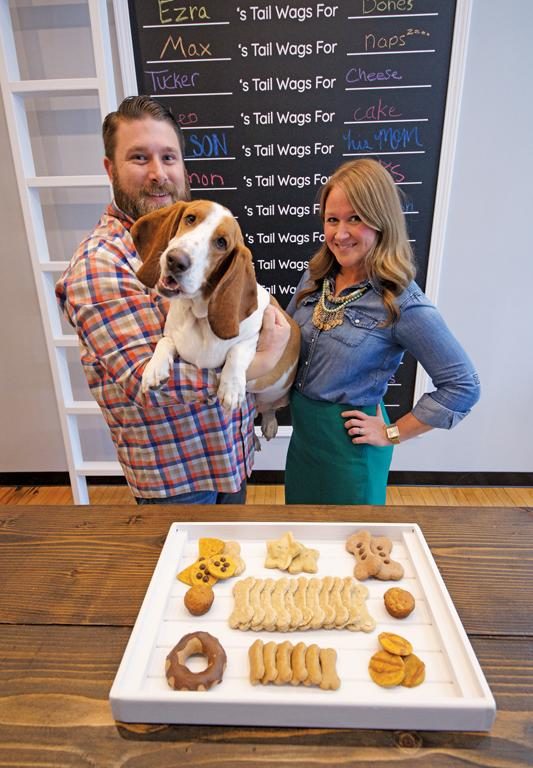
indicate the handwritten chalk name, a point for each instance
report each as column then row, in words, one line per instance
column 166, row 80
column 377, row 111
column 204, row 179
column 184, row 49
column 361, row 75
column 387, row 6
column 178, row 13
column 384, row 139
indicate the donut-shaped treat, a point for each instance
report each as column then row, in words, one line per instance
column 180, row 677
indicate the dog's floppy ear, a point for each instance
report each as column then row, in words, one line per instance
column 234, row 296
column 151, row 235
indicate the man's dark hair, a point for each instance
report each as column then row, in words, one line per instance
column 136, row 108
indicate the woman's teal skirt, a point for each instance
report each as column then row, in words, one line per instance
column 324, row 466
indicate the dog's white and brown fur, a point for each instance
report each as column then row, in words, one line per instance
column 194, row 254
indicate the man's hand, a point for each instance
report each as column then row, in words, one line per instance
column 273, row 339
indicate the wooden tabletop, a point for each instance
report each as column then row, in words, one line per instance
column 72, row 580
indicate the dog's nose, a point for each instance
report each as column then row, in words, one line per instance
column 178, row 261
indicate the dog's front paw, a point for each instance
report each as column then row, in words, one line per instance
column 231, row 393
column 269, row 425
column 155, row 374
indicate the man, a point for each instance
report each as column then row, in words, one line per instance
column 177, row 444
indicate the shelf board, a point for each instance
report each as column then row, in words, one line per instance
column 72, row 85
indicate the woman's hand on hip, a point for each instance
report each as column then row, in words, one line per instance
column 365, row 429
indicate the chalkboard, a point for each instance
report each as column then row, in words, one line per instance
column 273, row 96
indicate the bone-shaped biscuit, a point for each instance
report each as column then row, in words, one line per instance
column 313, row 601
column 269, row 660
column 367, row 563
column 300, row 601
column 295, row 613
column 325, row 604
column 342, row 614
column 381, row 546
column 283, row 618
column 328, row 660
column 257, row 665
column 242, row 614
column 283, row 663
column 269, row 619
column 299, row 668
column 257, row 605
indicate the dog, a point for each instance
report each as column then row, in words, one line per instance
column 193, row 253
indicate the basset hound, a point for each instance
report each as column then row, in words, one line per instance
column 194, row 254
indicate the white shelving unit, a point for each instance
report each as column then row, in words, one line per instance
column 15, row 91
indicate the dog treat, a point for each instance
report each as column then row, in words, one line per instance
column 312, row 662
column 242, row 615
column 386, row 669
column 324, row 600
column 284, row 663
column 200, row 573
column 305, row 561
column 269, row 660
column 296, row 615
column 233, row 549
column 372, row 555
column 299, row 669
column 257, row 665
column 217, row 559
column 313, row 601
column 208, row 547
column 396, row 664
column 221, row 566
column 395, row 644
column 269, row 620
column 282, row 551
column 180, row 677
column 256, row 605
column 328, row 661
column 390, row 569
column 415, row 671
column 199, row 599
column 283, row 618
column 288, row 605
column 399, row 602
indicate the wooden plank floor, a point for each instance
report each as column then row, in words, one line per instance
column 273, row 494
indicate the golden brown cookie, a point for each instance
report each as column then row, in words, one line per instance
column 395, row 644
column 221, row 566
column 208, row 547
column 199, row 599
column 199, row 573
column 386, row 669
column 399, row 602
column 415, row 671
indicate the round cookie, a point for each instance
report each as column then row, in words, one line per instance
column 199, row 599
column 399, row 602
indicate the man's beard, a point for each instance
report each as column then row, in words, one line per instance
column 137, row 206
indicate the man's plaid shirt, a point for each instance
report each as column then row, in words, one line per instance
column 178, row 439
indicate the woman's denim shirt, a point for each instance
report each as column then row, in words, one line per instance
column 353, row 363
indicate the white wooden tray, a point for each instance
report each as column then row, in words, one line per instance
column 454, row 696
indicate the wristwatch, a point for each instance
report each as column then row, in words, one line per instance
column 393, row 434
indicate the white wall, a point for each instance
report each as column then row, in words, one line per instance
column 488, row 258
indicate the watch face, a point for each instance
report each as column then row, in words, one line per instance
column 393, row 433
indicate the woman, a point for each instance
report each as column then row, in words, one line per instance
column 359, row 310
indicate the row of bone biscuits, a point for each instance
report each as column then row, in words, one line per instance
column 286, row 605
column 295, row 664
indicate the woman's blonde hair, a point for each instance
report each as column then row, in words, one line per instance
column 371, row 191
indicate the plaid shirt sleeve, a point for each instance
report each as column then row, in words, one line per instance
column 119, row 322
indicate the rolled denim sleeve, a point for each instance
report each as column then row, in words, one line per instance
column 421, row 330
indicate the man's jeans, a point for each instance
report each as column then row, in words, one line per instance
column 200, row 497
